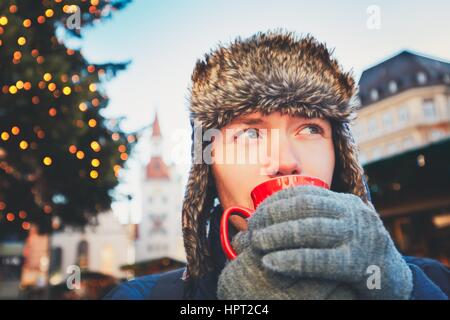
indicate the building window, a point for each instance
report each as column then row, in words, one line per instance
column 157, row 247
column 392, row 148
column 107, row 260
column 372, row 126
column 447, row 78
column 56, row 261
column 158, row 224
column 421, row 77
column 374, row 94
column 393, row 87
column 408, row 142
column 83, row 254
column 429, row 109
column 387, row 121
column 403, row 115
column 435, row 135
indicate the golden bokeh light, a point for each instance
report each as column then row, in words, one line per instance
column 82, row 106
column 95, row 162
column 21, row 41
column 80, row 154
column 13, row 89
column 19, row 84
column 47, row 161
column 5, row 136
column 3, row 20
column 52, row 112
column 23, row 145
column 93, row 174
column 27, row 23
column 95, row 146
column 67, row 91
column 49, row 13
column 72, row 149
column 15, row 130
column 115, row 136
column 17, row 55
column 92, row 123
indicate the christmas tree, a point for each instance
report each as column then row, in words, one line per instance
column 59, row 157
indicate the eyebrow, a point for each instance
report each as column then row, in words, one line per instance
column 250, row 121
column 261, row 120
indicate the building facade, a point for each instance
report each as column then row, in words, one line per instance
column 103, row 248
column 405, row 104
column 403, row 133
column 159, row 232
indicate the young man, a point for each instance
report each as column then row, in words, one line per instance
column 303, row 242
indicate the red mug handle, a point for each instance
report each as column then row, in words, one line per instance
column 224, row 239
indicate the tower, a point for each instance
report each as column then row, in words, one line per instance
column 159, row 232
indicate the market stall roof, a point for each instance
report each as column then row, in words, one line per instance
column 416, row 180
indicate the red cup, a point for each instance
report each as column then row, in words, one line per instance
column 258, row 194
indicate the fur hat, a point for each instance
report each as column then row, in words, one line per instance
column 272, row 71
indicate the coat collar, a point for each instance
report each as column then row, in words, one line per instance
column 207, row 285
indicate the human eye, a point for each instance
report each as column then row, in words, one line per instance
column 250, row 133
column 311, row 129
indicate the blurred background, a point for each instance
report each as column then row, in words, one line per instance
column 95, row 135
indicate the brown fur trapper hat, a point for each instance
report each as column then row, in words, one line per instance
column 272, row 71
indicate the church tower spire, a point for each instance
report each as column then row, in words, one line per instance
column 156, row 168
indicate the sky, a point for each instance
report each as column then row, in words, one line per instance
column 164, row 39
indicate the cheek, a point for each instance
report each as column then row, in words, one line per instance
column 317, row 159
column 234, row 177
column 234, row 183
column 232, row 166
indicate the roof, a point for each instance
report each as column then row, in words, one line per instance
column 411, row 178
column 403, row 71
column 156, row 132
column 157, row 169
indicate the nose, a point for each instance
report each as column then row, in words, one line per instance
column 284, row 161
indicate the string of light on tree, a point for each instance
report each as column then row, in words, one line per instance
column 53, row 91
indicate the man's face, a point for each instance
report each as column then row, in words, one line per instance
column 254, row 148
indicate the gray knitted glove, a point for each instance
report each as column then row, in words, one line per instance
column 246, row 278
column 312, row 232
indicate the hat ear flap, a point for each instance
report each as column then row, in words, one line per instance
column 197, row 204
column 348, row 173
